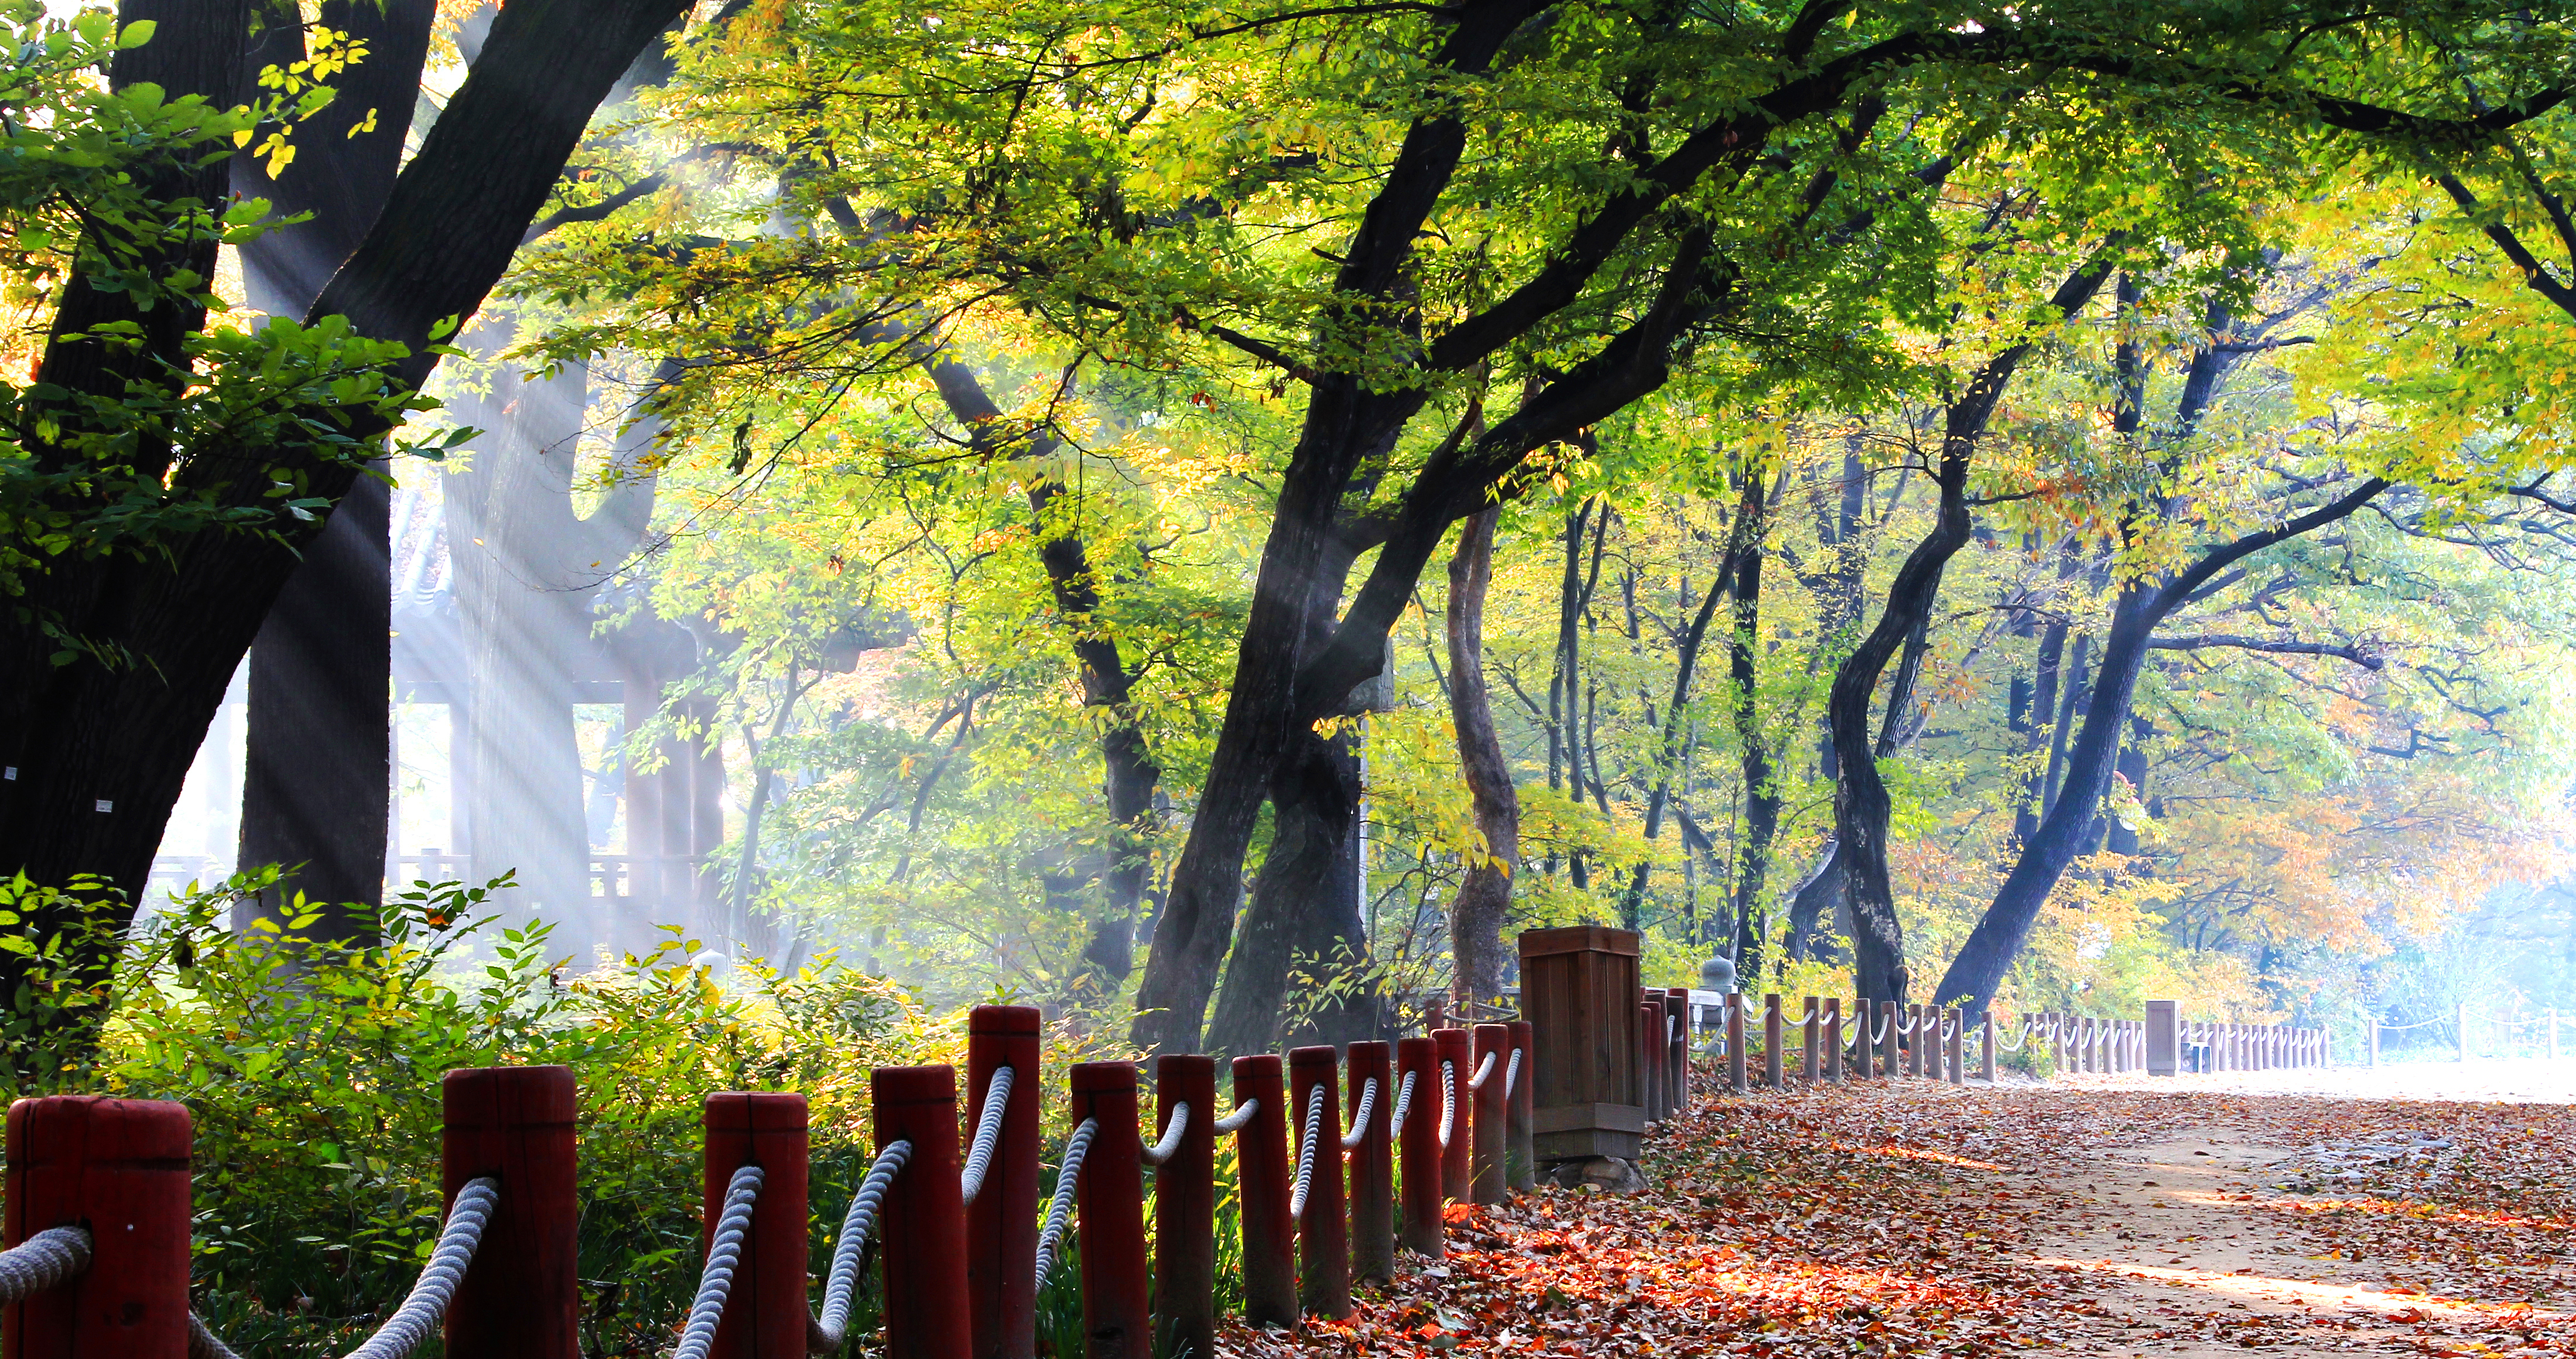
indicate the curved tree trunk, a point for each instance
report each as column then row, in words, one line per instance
column 1861, row 804
column 1476, row 915
column 1978, row 972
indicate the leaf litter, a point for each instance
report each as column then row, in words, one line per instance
column 1918, row 1219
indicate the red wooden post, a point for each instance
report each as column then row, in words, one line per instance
column 1520, row 1153
column 1002, row 1222
column 923, row 1223
column 1486, row 1178
column 1323, row 1236
column 1117, row 1314
column 1185, row 1208
column 120, row 1168
column 520, row 1298
column 1372, row 1169
column 1458, row 1154
column 764, row 1316
column 1420, row 1145
column 1269, row 1236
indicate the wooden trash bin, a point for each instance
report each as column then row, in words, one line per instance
column 1579, row 992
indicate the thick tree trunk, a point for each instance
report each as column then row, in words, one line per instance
column 86, row 734
column 1476, row 915
column 316, row 784
column 1303, row 903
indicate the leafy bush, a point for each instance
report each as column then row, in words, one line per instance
column 312, row 1072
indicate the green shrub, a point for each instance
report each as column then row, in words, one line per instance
column 312, row 1073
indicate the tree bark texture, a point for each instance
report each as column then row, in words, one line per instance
column 1476, row 914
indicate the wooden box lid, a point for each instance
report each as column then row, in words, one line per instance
column 1578, row 939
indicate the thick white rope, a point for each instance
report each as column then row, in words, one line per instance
column 1484, row 1069
column 988, row 1132
column 1242, row 1114
column 1448, row 1101
column 1067, row 1175
column 1878, row 1029
column 1314, row 1133
column 1403, row 1106
column 421, row 1312
column 1159, row 1152
column 724, row 1256
column 42, row 1261
column 825, row 1333
column 1512, row 1074
column 1360, row 1116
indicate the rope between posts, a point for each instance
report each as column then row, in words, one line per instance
column 1067, row 1175
column 724, row 1255
column 1878, row 1030
column 426, row 1306
column 988, row 1132
column 1512, row 1074
column 41, row 1261
column 1403, row 1106
column 1484, row 1069
column 1448, row 1101
column 1360, row 1115
column 825, row 1333
column 1905, row 1024
column 1242, row 1114
column 2401, row 1028
column 1156, row 1153
column 1306, row 1151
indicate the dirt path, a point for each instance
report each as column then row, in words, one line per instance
column 1921, row 1220
column 2202, row 1267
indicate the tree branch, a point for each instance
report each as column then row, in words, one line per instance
column 2367, row 660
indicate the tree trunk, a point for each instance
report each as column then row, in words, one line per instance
column 1476, row 916
column 1129, row 771
column 1742, row 580
column 1310, row 867
column 1977, row 973
column 1861, row 803
column 101, row 750
column 316, row 783
column 527, row 568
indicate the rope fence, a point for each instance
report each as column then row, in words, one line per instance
column 1323, row 1205
column 2505, row 1034
column 1766, row 1047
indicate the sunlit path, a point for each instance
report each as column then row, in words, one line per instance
column 2194, row 1216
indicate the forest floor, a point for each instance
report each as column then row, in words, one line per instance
column 2098, row 1215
